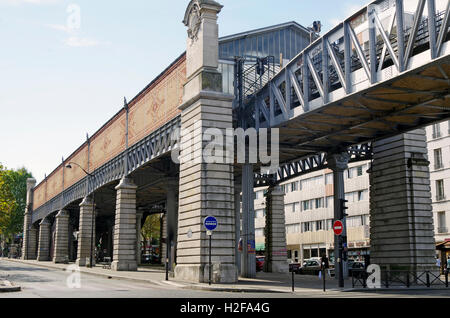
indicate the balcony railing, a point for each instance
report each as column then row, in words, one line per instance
column 442, row 230
column 437, row 135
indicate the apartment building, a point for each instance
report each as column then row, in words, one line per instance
column 438, row 140
column 309, row 214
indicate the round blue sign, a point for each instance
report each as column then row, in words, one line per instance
column 210, row 223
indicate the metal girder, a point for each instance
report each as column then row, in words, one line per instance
column 309, row 164
column 339, row 63
column 158, row 143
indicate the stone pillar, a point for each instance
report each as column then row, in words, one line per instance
column 44, row 241
column 61, row 254
column 275, row 249
column 248, row 259
column 401, row 219
column 339, row 163
column 139, row 215
column 85, row 242
column 124, row 258
column 29, row 232
column 206, row 182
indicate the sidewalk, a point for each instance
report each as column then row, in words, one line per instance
column 263, row 283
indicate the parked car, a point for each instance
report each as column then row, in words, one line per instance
column 259, row 263
column 150, row 259
column 310, row 267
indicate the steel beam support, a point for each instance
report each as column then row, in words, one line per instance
column 399, row 13
column 339, row 163
column 432, row 32
column 248, row 262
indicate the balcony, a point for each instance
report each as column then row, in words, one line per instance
column 437, row 135
column 442, row 230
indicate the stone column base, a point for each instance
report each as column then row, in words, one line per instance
column 222, row 273
column 124, row 266
column 281, row 267
column 84, row 261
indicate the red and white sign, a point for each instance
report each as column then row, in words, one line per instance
column 338, row 227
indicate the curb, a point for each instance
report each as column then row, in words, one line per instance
column 375, row 290
column 7, row 287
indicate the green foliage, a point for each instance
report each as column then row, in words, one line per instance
column 13, row 192
column 151, row 228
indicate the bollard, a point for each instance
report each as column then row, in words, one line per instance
column 293, row 288
column 324, row 281
column 428, row 279
column 407, row 280
column 446, row 278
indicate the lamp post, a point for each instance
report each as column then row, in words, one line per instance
column 68, row 166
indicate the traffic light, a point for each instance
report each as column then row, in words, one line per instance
column 342, row 207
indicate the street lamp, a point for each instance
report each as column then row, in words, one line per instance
column 69, row 166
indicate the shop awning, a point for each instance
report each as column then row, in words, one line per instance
column 260, row 246
column 443, row 245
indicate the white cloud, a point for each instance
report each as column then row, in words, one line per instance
column 59, row 27
column 36, row 2
column 75, row 41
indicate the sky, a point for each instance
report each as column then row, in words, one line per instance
column 65, row 66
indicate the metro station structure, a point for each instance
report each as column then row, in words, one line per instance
column 364, row 90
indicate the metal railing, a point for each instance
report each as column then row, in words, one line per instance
column 402, row 279
column 441, row 230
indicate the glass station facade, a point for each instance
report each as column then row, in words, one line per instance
column 281, row 41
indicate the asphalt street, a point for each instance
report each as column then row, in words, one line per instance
column 37, row 282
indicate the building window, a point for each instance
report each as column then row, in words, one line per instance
column 362, row 195
column 330, row 201
column 440, row 194
column 359, row 170
column 436, row 131
column 306, row 227
column 329, row 224
column 260, row 213
column 306, row 205
column 294, row 186
column 319, row 203
column 349, row 173
column 319, row 225
column 441, row 222
column 438, row 159
column 329, row 178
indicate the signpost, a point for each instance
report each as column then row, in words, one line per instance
column 210, row 224
column 338, row 227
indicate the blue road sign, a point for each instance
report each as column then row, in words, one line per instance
column 210, row 223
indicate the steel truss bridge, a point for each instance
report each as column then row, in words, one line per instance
column 364, row 80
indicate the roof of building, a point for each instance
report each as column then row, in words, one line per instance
column 265, row 30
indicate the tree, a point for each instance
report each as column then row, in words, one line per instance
column 13, row 192
column 151, row 228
